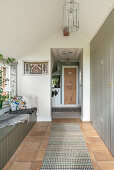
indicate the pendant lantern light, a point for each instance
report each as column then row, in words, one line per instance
column 70, row 17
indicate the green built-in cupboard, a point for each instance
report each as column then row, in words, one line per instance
column 102, row 82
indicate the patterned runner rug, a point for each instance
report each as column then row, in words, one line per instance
column 66, row 149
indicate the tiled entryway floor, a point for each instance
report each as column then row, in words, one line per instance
column 30, row 154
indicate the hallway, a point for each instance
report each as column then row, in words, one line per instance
column 30, row 153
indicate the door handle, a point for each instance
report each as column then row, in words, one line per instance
column 93, row 84
column 110, row 84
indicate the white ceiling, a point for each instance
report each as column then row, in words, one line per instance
column 66, row 54
column 26, row 23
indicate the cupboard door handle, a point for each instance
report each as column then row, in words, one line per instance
column 110, row 84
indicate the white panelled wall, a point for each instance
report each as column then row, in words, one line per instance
column 41, row 85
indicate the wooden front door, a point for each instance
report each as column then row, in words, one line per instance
column 69, row 86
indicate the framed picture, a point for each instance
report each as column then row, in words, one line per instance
column 35, row 68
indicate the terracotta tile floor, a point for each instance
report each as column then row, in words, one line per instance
column 30, row 154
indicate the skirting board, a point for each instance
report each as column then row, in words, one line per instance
column 44, row 119
column 85, row 120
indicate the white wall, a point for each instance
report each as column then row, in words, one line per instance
column 40, row 85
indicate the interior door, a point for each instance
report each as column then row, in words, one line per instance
column 70, row 86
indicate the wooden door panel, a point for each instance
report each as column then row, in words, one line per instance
column 69, row 86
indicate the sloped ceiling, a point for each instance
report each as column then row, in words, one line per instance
column 26, row 23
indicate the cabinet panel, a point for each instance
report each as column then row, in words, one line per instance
column 112, row 94
column 102, row 82
column 93, row 88
column 107, row 92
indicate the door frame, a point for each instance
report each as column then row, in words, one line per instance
column 63, row 85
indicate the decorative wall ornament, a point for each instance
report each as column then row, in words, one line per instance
column 70, row 17
column 36, row 68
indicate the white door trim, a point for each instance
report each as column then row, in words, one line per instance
column 63, row 85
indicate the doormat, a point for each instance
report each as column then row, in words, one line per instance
column 66, row 109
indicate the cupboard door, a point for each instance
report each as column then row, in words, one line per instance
column 99, row 86
column 93, row 89
column 96, row 100
column 112, row 95
column 107, row 91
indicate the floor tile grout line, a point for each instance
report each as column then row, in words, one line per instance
column 85, row 136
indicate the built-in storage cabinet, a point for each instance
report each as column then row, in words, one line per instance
column 102, row 82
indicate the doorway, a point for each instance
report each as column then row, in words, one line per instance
column 66, row 82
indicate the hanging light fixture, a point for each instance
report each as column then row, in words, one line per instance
column 70, row 17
